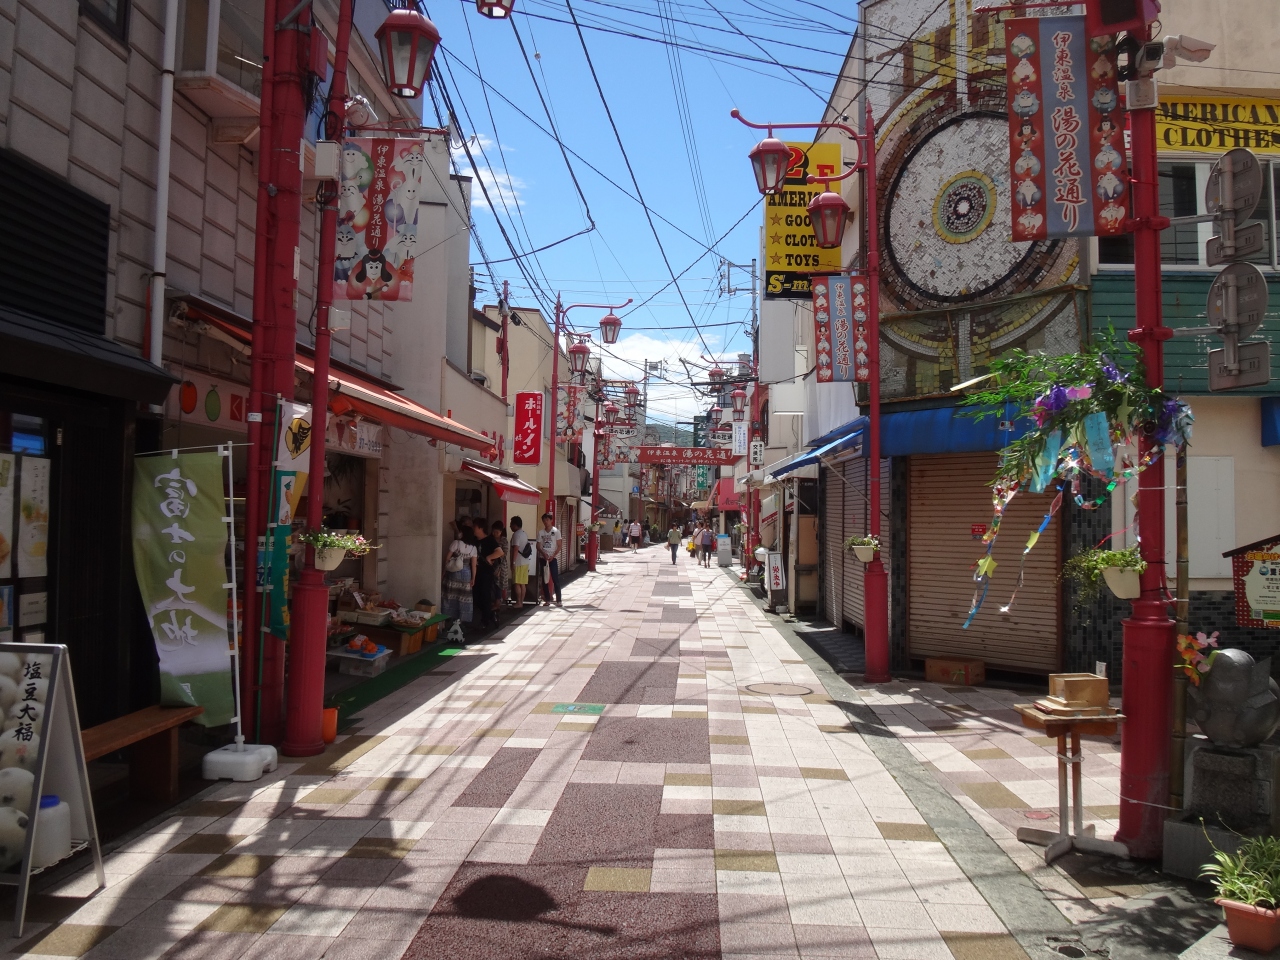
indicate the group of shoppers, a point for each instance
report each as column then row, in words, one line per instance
column 485, row 568
column 702, row 541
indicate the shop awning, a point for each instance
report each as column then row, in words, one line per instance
column 365, row 397
column 510, row 488
column 607, row 508
column 38, row 349
column 768, row 509
column 948, row 430
column 702, row 506
column 725, row 496
column 850, row 440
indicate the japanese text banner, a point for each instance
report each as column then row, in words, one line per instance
column 840, row 317
column 179, row 558
column 709, row 455
column 526, row 445
column 1066, row 146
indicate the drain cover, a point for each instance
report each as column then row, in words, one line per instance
column 1039, row 815
column 779, row 689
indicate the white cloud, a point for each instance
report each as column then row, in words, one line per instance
column 502, row 187
column 673, row 400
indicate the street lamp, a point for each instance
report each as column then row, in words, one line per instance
column 716, row 415
column 407, row 42
column 611, row 411
column 770, row 160
column 495, row 9
column 828, row 213
column 579, row 354
column 632, row 394
column 609, row 327
column 739, row 403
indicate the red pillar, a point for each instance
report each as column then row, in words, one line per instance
column 310, row 613
column 875, row 580
column 1150, row 632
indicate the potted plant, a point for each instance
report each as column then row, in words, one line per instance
column 1119, row 569
column 332, row 547
column 864, row 548
column 740, row 528
column 1247, row 883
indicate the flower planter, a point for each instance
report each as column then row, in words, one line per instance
column 1254, row 928
column 329, row 559
column 865, row 553
column 1123, row 582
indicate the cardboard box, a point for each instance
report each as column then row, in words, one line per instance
column 1080, row 689
column 962, row 672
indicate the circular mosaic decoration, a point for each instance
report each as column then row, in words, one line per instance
column 779, row 689
column 964, row 206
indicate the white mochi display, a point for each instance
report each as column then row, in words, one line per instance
column 17, row 752
column 16, row 785
column 8, row 692
column 13, row 836
column 10, row 665
column 31, row 712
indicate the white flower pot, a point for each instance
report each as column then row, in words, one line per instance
column 1123, row 582
column 865, row 553
column 329, row 559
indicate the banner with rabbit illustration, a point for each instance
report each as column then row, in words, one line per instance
column 1066, row 131
column 377, row 236
column 179, row 558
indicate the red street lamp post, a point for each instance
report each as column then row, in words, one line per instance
column 739, row 397
column 610, row 326
column 495, row 9
column 407, row 41
column 828, row 221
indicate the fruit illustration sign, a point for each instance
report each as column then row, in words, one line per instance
column 209, row 402
column 1066, row 140
column 377, row 234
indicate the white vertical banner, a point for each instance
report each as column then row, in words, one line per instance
column 33, row 520
column 740, row 436
column 8, row 480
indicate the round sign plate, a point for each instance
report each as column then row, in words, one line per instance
column 1251, row 297
column 1246, row 185
column 779, row 689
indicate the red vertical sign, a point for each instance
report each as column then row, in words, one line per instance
column 527, row 445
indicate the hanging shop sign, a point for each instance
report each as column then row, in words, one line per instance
column 377, row 233
column 1212, row 124
column 179, row 558
column 741, row 436
column 569, row 419
column 711, row 455
column 757, row 453
column 1255, row 570
column 208, row 402
column 840, row 317
column 33, row 517
column 356, row 438
column 1066, row 147
column 791, row 253
column 703, row 481
column 527, row 445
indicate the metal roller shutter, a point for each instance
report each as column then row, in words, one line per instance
column 833, row 524
column 947, row 496
column 855, row 522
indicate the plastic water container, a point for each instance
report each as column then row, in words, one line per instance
column 53, row 831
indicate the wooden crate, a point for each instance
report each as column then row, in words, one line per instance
column 1080, row 689
column 963, row 672
column 402, row 641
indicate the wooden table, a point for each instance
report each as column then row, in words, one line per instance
column 1064, row 728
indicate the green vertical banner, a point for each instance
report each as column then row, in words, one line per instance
column 179, row 557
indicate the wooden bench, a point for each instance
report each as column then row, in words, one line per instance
column 153, row 760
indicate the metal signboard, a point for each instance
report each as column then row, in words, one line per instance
column 1248, row 241
column 1238, row 293
column 1255, row 367
column 791, row 254
column 757, row 453
column 1234, row 185
column 710, row 455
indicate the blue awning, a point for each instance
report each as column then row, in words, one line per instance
column 850, row 439
column 948, row 430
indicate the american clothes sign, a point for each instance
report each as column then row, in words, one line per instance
column 791, row 254
column 1066, row 131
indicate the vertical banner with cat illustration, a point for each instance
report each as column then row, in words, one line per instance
column 377, row 235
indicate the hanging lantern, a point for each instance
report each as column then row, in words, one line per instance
column 715, row 415
column 717, row 374
column 609, row 327
column 770, row 160
column 407, row 42
column 495, row 9
column 579, row 354
column 828, row 213
column 611, row 411
column 739, row 404
column 632, row 393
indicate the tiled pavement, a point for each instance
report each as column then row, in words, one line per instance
column 611, row 780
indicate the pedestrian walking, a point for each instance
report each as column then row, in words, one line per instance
column 489, row 553
column 459, row 576
column 522, row 560
column 501, row 567
column 673, row 541
column 625, row 533
column 548, row 560
column 635, row 534
column 706, row 542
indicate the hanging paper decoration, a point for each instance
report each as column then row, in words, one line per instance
column 1089, row 406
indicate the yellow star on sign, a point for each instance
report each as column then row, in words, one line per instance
column 775, row 219
column 775, row 238
column 775, row 258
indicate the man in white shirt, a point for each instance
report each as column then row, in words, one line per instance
column 521, row 565
column 635, row 535
column 548, row 559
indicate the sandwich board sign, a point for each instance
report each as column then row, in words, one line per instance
column 41, row 756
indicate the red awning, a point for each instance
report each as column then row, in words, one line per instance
column 369, row 399
column 511, row 489
column 364, row 395
column 726, row 495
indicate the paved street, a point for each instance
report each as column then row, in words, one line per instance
column 653, row 771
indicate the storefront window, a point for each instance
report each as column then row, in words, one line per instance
column 1182, row 186
column 26, row 486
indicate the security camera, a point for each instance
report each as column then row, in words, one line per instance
column 1185, row 48
column 1136, row 59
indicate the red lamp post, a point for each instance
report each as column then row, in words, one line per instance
column 828, row 220
column 407, row 41
column 632, row 394
column 495, row 9
column 611, row 411
column 770, row 160
column 610, row 326
column 739, row 397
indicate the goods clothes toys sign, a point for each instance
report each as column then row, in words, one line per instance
column 791, row 254
column 377, row 235
column 840, row 328
column 1066, row 140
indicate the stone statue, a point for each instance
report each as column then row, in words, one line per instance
column 1237, row 704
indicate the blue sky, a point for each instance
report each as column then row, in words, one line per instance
column 535, row 196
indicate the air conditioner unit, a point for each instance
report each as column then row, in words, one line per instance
column 480, row 377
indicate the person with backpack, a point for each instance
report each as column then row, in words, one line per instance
column 522, row 560
column 707, row 541
column 673, row 541
column 459, row 575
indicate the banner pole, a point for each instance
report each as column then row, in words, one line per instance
column 235, row 603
